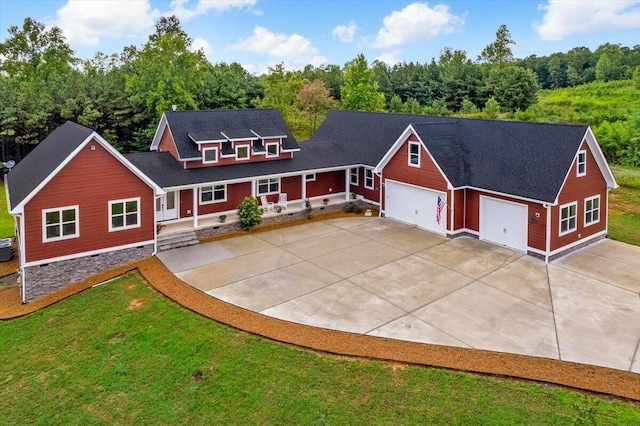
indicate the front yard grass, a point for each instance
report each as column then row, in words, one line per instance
column 122, row 354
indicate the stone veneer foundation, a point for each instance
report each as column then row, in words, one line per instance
column 45, row 279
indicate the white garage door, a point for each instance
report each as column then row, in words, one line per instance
column 503, row 222
column 414, row 205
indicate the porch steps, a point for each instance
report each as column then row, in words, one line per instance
column 177, row 240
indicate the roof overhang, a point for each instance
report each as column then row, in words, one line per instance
column 19, row 209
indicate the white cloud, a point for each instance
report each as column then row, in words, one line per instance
column 416, row 23
column 85, row 22
column 203, row 7
column 565, row 18
column 390, row 58
column 295, row 51
column 200, row 43
column 345, row 33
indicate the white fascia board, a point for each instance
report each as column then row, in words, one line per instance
column 267, row 137
column 517, row 197
column 600, row 159
column 250, row 178
column 159, row 131
column 396, row 147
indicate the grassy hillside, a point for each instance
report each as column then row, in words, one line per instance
column 122, row 354
column 591, row 103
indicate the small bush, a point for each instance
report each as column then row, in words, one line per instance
column 307, row 207
column 249, row 213
column 352, row 208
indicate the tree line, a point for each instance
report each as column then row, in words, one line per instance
column 122, row 96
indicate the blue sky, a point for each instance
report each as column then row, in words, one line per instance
column 261, row 33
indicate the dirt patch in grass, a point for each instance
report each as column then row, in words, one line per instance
column 136, row 303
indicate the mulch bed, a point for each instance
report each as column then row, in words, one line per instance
column 579, row 376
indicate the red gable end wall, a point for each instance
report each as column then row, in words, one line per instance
column 166, row 143
column 577, row 189
column 427, row 175
column 102, row 179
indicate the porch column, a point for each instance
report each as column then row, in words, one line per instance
column 195, row 207
column 253, row 188
column 303, row 193
column 347, row 184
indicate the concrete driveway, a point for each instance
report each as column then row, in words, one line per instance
column 383, row 278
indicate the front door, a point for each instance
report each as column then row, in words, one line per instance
column 166, row 206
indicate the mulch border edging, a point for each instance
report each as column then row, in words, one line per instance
column 591, row 378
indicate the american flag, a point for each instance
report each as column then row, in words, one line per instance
column 439, row 210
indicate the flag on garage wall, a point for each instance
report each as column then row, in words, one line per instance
column 439, row 209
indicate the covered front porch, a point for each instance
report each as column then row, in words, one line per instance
column 214, row 220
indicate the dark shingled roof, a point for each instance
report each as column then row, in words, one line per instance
column 234, row 123
column 524, row 159
column 43, row 160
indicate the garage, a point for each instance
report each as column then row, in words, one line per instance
column 415, row 206
column 503, row 222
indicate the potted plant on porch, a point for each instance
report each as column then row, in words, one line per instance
column 223, row 218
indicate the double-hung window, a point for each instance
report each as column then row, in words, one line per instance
column 242, row 152
column 581, row 163
column 124, row 214
column 213, row 194
column 353, row 176
column 414, row 154
column 591, row 210
column 60, row 223
column 209, row 155
column 268, row 186
column 368, row 178
column 568, row 214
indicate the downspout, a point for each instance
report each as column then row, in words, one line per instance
column 451, row 216
column 380, row 195
column 606, row 224
column 548, row 245
column 23, row 259
column 155, row 226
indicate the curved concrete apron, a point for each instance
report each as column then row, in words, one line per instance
column 380, row 277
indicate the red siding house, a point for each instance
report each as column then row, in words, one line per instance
column 81, row 206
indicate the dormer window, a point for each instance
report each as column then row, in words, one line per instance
column 582, row 163
column 242, row 152
column 414, row 154
column 272, row 149
column 209, row 155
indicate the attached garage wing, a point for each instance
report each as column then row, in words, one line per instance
column 503, row 222
column 415, row 205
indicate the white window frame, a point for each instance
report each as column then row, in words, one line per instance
column 204, row 154
column 266, row 147
column 268, row 182
column 238, row 158
column 124, row 214
column 568, row 219
column 368, row 171
column 213, row 194
column 353, row 175
column 583, row 163
column 589, row 212
column 411, row 155
column 59, row 210
column 310, row 177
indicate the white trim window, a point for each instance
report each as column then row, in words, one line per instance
column 368, row 178
column 213, row 194
column 591, row 210
column 124, row 214
column 272, row 149
column 414, row 154
column 60, row 223
column 568, row 215
column 210, row 155
column 242, row 152
column 310, row 177
column 581, row 163
column 353, row 176
column 268, row 186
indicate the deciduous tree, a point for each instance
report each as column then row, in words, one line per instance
column 360, row 90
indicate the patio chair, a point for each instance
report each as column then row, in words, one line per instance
column 266, row 205
column 282, row 201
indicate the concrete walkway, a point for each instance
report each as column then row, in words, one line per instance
column 383, row 278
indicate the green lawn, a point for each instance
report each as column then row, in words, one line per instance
column 6, row 221
column 122, row 354
column 624, row 215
